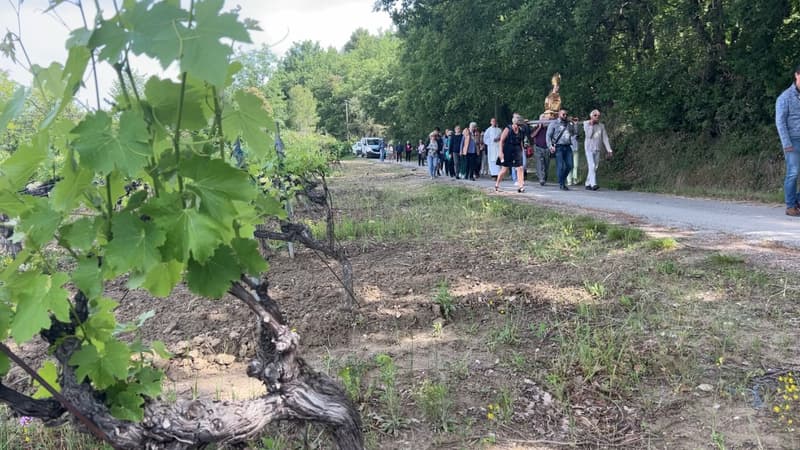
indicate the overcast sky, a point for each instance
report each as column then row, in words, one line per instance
column 330, row 22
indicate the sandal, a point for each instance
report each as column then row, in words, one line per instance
column 496, row 188
column 521, row 189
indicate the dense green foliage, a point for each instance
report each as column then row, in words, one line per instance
column 354, row 91
column 696, row 66
column 147, row 189
column 690, row 65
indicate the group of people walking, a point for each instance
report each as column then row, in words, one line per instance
column 496, row 152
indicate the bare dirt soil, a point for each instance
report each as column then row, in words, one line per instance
column 497, row 352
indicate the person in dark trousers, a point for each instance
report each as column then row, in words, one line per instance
column 439, row 151
column 469, row 151
column 455, row 150
column 409, row 148
column 540, row 151
column 449, row 169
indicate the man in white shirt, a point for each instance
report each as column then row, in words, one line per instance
column 491, row 137
column 595, row 134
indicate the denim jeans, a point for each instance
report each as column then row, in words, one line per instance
column 572, row 176
column 433, row 161
column 792, row 168
column 563, row 163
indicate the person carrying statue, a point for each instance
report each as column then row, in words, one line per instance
column 560, row 134
column 595, row 136
column 541, row 153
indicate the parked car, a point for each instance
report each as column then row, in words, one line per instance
column 370, row 147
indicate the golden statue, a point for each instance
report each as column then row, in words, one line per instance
column 552, row 103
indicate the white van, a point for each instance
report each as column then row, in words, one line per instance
column 370, row 147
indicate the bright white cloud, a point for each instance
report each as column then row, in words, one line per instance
column 330, row 22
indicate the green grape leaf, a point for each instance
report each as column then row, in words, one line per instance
column 5, row 322
column 188, row 231
column 101, row 148
column 126, row 405
column 104, row 367
column 149, row 381
column 88, row 277
column 233, row 68
column 5, row 315
column 164, row 96
column 118, row 182
column 136, row 200
column 250, row 260
column 17, row 170
column 160, row 349
column 101, row 323
column 75, row 181
column 247, row 218
column 49, row 79
column 11, row 203
column 11, row 269
column 111, row 39
column 5, row 365
column 213, row 278
column 79, row 37
column 37, row 296
column 39, row 223
column 74, row 68
column 134, row 245
column 217, row 184
column 80, row 235
column 49, row 372
column 162, row 278
column 153, row 31
column 13, row 107
column 267, row 205
column 204, row 56
column 251, row 121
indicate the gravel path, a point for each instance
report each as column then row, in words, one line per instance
column 756, row 224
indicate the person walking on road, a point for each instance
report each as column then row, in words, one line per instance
column 510, row 157
column 469, row 151
column 447, row 159
column 595, row 135
column 491, row 137
column 787, row 120
column 433, row 153
column 560, row 134
column 455, row 150
column 540, row 151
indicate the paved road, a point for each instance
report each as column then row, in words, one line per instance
column 756, row 223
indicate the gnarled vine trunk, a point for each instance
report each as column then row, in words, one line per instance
column 294, row 392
